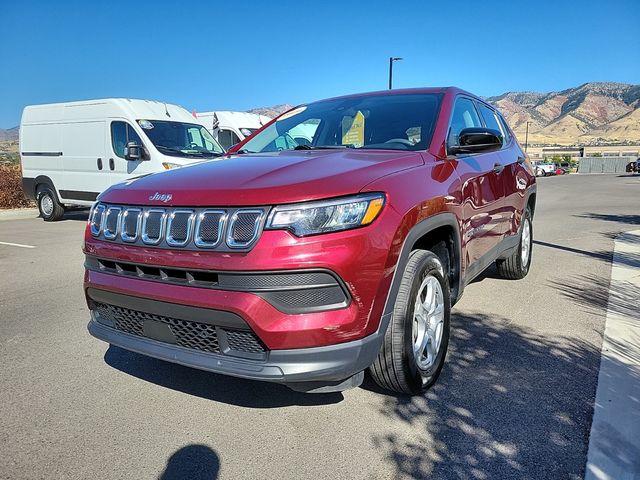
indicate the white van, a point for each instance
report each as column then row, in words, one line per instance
column 71, row 152
column 230, row 128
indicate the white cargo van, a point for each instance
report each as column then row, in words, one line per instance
column 230, row 128
column 71, row 152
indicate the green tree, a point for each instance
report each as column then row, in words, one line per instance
column 597, row 154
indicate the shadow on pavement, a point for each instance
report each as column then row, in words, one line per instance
column 193, row 462
column 629, row 259
column 219, row 388
column 76, row 214
column 597, row 294
column 511, row 403
column 629, row 219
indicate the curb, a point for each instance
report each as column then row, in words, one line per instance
column 18, row 213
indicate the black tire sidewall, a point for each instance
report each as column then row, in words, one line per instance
column 423, row 379
column 42, row 192
column 525, row 268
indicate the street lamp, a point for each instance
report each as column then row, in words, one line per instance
column 526, row 138
column 391, row 60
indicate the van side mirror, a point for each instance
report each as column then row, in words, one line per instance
column 477, row 140
column 133, row 151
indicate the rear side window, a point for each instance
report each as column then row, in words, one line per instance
column 505, row 129
column 121, row 134
column 464, row 116
column 492, row 120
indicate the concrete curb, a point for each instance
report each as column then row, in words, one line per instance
column 18, row 213
column 614, row 443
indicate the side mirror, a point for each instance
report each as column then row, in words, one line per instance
column 477, row 140
column 133, row 151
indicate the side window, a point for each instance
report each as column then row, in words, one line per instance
column 121, row 134
column 505, row 129
column 226, row 138
column 491, row 120
column 464, row 116
column 119, row 137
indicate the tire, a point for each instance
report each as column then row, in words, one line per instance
column 516, row 267
column 48, row 204
column 397, row 367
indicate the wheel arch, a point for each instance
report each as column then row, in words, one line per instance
column 423, row 235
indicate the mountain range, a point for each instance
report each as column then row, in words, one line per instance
column 591, row 114
column 597, row 113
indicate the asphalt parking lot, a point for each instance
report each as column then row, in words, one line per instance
column 515, row 399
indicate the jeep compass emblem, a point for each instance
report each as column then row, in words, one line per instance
column 163, row 197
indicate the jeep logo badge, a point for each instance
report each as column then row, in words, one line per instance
column 163, row 197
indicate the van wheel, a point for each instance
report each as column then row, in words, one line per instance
column 416, row 340
column 50, row 208
column 516, row 266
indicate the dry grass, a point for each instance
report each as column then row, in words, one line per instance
column 11, row 194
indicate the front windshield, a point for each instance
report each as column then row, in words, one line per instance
column 181, row 139
column 381, row 122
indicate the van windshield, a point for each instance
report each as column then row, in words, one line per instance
column 181, row 139
column 379, row 122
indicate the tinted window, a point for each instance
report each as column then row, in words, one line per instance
column 489, row 117
column 505, row 129
column 464, row 116
column 121, row 134
column 385, row 122
column 226, row 138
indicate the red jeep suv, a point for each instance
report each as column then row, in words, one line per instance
column 334, row 240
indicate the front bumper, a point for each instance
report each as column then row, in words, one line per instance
column 305, row 369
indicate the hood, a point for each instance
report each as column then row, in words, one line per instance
column 263, row 179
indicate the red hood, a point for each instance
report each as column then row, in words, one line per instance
column 264, row 179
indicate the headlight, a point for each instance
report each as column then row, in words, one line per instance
column 169, row 165
column 327, row 215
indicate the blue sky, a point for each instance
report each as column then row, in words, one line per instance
column 238, row 55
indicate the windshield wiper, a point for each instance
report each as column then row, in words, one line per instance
column 197, row 154
column 322, row 147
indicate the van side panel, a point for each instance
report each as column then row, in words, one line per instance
column 85, row 163
column 41, row 154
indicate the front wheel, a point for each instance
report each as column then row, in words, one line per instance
column 516, row 266
column 50, row 208
column 416, row 340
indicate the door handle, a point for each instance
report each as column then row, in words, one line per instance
column 99, row 164
column 498, row 167
column 112, row 164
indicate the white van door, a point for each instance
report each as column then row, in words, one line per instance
column 86, row 173
column 122, row 132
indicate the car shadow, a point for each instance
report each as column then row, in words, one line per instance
column 512, row 402
column 211, row 386
column 193, row 462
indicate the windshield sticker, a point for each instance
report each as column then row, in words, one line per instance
column 353, row 130
column 146, row 124
column 293, row 112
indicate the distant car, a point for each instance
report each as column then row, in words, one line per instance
column 545, row 169
column 633, row 167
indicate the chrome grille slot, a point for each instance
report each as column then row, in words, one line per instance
column 230, row 229
column 131, row 218
column 179, row 227
column 95, row 222
column 153, row 226
column 112, row 222
column 209, row 228
column 244, row 228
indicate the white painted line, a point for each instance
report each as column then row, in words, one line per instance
column 614, row 443
column 16, row 245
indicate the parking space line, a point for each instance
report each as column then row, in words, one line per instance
column 614, row 443
column 16, row 245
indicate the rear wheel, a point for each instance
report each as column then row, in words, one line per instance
column 517, row 265
column 50, row 208
column 416, row 340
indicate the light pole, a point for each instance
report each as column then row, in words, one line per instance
column 526, row 138
column 391, row 60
